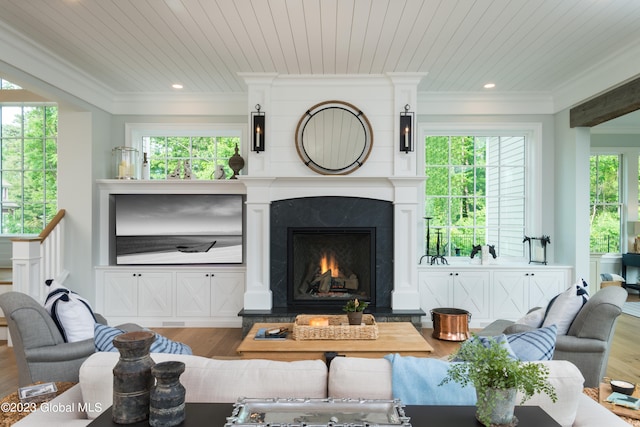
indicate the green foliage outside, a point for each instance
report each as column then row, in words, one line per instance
column 475, row 193
column 28, row 166
column 203, row 153
column 450, row 171
column 604, row 197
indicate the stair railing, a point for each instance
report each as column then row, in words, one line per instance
column 36, row 259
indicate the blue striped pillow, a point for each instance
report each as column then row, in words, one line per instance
column 535, row 345
column 104, row 336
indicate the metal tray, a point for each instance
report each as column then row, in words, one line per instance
column 329, row 412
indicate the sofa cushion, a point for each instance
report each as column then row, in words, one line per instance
column 564, row 307
column 71, row 313
column 416, row 381
column 104, row 336
column 357, row 377
column 213, row 380
column 533, row 318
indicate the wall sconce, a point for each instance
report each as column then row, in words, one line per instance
column 257, row 118
column 406, row 130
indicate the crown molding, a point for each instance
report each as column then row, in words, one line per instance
column 480, row 103
column 50, row 72
column 181, row 104
column 617, row 69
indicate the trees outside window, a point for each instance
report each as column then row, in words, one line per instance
column 203, row 153
column 475, row 192
column 28, row 167
column 605, row 203
column 205, row 146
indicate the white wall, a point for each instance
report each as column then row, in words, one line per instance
column 572, row 195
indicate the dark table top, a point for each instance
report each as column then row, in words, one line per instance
column 215, row 415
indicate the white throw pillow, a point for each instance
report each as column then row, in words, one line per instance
column 71, row 313
column 534, row 318
column 563, row 308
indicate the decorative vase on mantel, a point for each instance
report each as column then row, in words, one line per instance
column 236, row 163
column 132, row 379
column 499, row 404
column 355, row 317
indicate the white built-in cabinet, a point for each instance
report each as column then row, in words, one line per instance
column 164, row 296
column 490, row 292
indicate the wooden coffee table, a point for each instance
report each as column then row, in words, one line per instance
column 393, row 337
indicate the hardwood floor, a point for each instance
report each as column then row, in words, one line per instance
column 624, row 359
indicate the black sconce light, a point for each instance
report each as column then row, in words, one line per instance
column 406, row 130
column 258, row 130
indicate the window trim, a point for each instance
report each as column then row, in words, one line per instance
column 628, row 189
column 533, row 164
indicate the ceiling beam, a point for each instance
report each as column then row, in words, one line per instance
column 614, row 103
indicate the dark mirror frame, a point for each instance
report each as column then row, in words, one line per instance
column 348, row 146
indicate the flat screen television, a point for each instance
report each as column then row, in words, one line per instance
column 178, row 228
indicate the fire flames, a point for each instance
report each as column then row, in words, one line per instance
column 329, row 262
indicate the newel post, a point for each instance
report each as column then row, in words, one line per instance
column 26, row 266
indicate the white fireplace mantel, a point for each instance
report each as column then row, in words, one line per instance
column 403, row 192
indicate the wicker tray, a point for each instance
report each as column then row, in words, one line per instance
column 338, row 329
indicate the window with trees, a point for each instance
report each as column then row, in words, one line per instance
column 605, row 203
column 169, row 147
column 475, row 192
column 28, row 166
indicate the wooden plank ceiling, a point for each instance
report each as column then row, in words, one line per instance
column 146, row 45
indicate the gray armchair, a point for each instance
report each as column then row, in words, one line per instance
column 40, row 351
column 588, row 341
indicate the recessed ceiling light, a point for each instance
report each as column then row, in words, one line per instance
column 489, row 85
column 177, row 86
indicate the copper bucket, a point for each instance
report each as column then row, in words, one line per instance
column 450, row 324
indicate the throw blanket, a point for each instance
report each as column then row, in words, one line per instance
column 415, row 380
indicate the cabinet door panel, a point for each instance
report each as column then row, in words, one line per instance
column 471, row 293
column 510, row 294
column 120, row 294
column 545, row 285
column 193, row 294
column 155, row 294
column 227, row 294
column 435, row 290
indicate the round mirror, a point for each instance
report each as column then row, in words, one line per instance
column 334, row 138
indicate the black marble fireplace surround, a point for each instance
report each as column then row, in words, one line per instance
column 332, row 213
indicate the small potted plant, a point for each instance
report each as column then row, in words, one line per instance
column 354, row 309
column 497, row 377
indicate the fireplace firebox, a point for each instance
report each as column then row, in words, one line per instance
column 353, row 217
column 328, row 266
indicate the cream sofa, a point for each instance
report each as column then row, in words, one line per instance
column 213, row 380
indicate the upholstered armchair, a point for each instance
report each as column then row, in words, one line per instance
column 41, row 352
column 588, row 341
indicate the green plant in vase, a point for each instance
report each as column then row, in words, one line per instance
column 354, row 309
column 497, row 376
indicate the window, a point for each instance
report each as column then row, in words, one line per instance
column 28, row 165
column 170, row 147
column 605, row 203
column 475, row 192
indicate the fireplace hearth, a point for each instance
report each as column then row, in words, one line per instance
column 329, row 266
